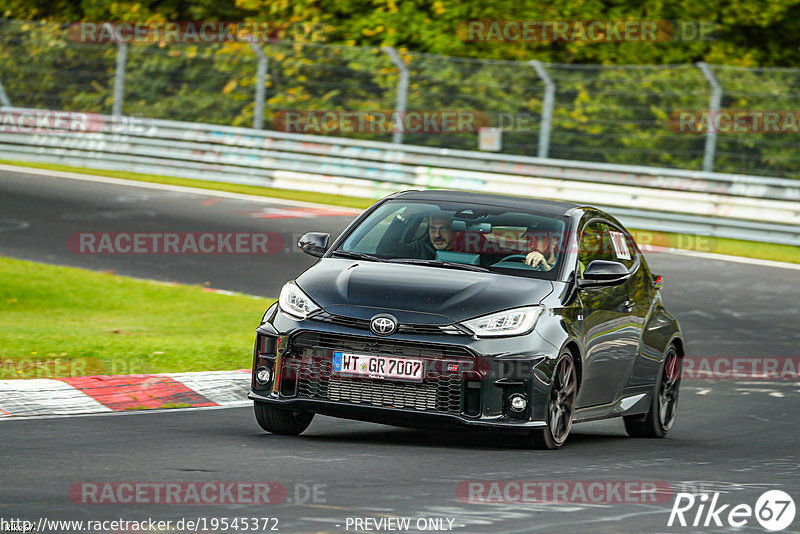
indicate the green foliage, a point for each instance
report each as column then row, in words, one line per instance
column 613, row 99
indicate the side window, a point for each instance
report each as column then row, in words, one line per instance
column 596, row 244
column 368, row 238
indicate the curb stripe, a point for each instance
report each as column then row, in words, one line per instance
column 42, row 396
column 219, row 387
column 123, row 393
column 302, row 213
column 137, row 391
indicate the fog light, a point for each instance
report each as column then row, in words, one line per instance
column 517, row 402
column 263, row 376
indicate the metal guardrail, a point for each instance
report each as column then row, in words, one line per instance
column 721, row 205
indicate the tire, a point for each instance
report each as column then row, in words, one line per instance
column 281, row 421
column 661, row 416
column 560, row 406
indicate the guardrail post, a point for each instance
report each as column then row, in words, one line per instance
column 716, row 99
column 402, row 88
column 547, row 107
column 4, row 101
column 119, row 78
column 261, row 86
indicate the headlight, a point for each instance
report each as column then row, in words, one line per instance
column 295, row 303
column 506, row 323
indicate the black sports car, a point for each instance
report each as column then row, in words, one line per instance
column 445, row 308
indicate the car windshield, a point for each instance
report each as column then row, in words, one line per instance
column 460, row 235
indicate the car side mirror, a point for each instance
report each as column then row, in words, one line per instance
column 314, row 243
column 604, row 273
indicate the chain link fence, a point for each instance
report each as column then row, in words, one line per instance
column 621, row 114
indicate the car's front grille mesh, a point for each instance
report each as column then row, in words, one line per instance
column 379, row 393
column 440, row 391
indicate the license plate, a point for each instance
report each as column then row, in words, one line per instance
column 381, row 367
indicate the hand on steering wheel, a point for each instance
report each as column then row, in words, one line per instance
column 528, row 259
column 535, row 259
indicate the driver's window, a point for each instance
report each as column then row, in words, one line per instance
column 367, row 240
column 596, row 244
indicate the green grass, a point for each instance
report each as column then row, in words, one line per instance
column 720, row 245
column 734, row 247
column 63, row 321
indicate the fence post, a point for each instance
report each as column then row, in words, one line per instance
column 4, row 101
column 261, row 86
column 119, row 78
column 547, row 107
column 402, row 88
column 711, row 134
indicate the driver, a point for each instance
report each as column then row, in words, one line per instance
column 439, row 237
column 543, row 246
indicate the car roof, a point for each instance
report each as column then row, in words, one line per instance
column 555, row 207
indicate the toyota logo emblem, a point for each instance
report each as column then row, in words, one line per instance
column 383, row 325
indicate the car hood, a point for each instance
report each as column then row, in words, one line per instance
column 415, row 294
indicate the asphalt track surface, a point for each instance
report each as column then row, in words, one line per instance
column 736, row 437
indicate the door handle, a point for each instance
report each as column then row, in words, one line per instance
column 628, row 304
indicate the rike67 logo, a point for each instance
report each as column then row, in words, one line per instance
column 774, row 510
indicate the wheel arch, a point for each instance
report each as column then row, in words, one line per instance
column 577, row 357
column 678, row 342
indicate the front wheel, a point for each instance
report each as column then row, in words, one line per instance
column 661, row 416
column 560, row 406
column 281, row 421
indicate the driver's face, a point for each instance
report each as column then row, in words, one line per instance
column 440, row 233
column 539, row 241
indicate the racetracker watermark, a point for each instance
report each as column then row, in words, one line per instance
column 51, row 122
column 735, row 121
column 208, row 493
column 415, row 121
column 590, row 31
column 55, row 365
column 176, row 243
column 421, row 121
column 49, row 367
column 519, row 241
column 737, row 368
column 564, row 491
column 193, row 32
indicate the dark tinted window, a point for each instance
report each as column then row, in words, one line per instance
column 507, row 240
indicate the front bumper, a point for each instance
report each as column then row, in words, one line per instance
column 468, row 382
column 394, row 416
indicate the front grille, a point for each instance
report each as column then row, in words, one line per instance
column 440, row 391
column 403, row 328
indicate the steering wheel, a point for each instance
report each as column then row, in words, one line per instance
column 514, row 258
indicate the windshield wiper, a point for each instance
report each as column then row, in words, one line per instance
column 439, row 263
column 356, row 255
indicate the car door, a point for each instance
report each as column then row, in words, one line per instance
column 610, row 336
column 640, row 296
